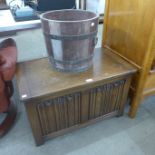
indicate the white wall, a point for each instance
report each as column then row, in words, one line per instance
column 101, row 6
column 96, row 6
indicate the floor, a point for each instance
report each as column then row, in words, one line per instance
column 115, row 136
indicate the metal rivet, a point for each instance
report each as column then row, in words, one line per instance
column 92, row 24
column 89, row 80
column 24, row 96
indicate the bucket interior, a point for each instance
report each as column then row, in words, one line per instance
column 68, row 15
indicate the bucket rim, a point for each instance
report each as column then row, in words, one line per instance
column 96, row 16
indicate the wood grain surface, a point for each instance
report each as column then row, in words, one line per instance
column 129, row 31
column 128, row 26
column 39, row 79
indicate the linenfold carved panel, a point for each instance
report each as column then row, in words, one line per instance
column 77, row 108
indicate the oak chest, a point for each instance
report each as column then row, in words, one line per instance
column 58, row 102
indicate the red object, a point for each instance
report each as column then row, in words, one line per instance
column 8, row 59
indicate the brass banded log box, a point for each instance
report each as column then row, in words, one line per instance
column 58, row 102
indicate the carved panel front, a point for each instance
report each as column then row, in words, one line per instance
column 77, row 108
